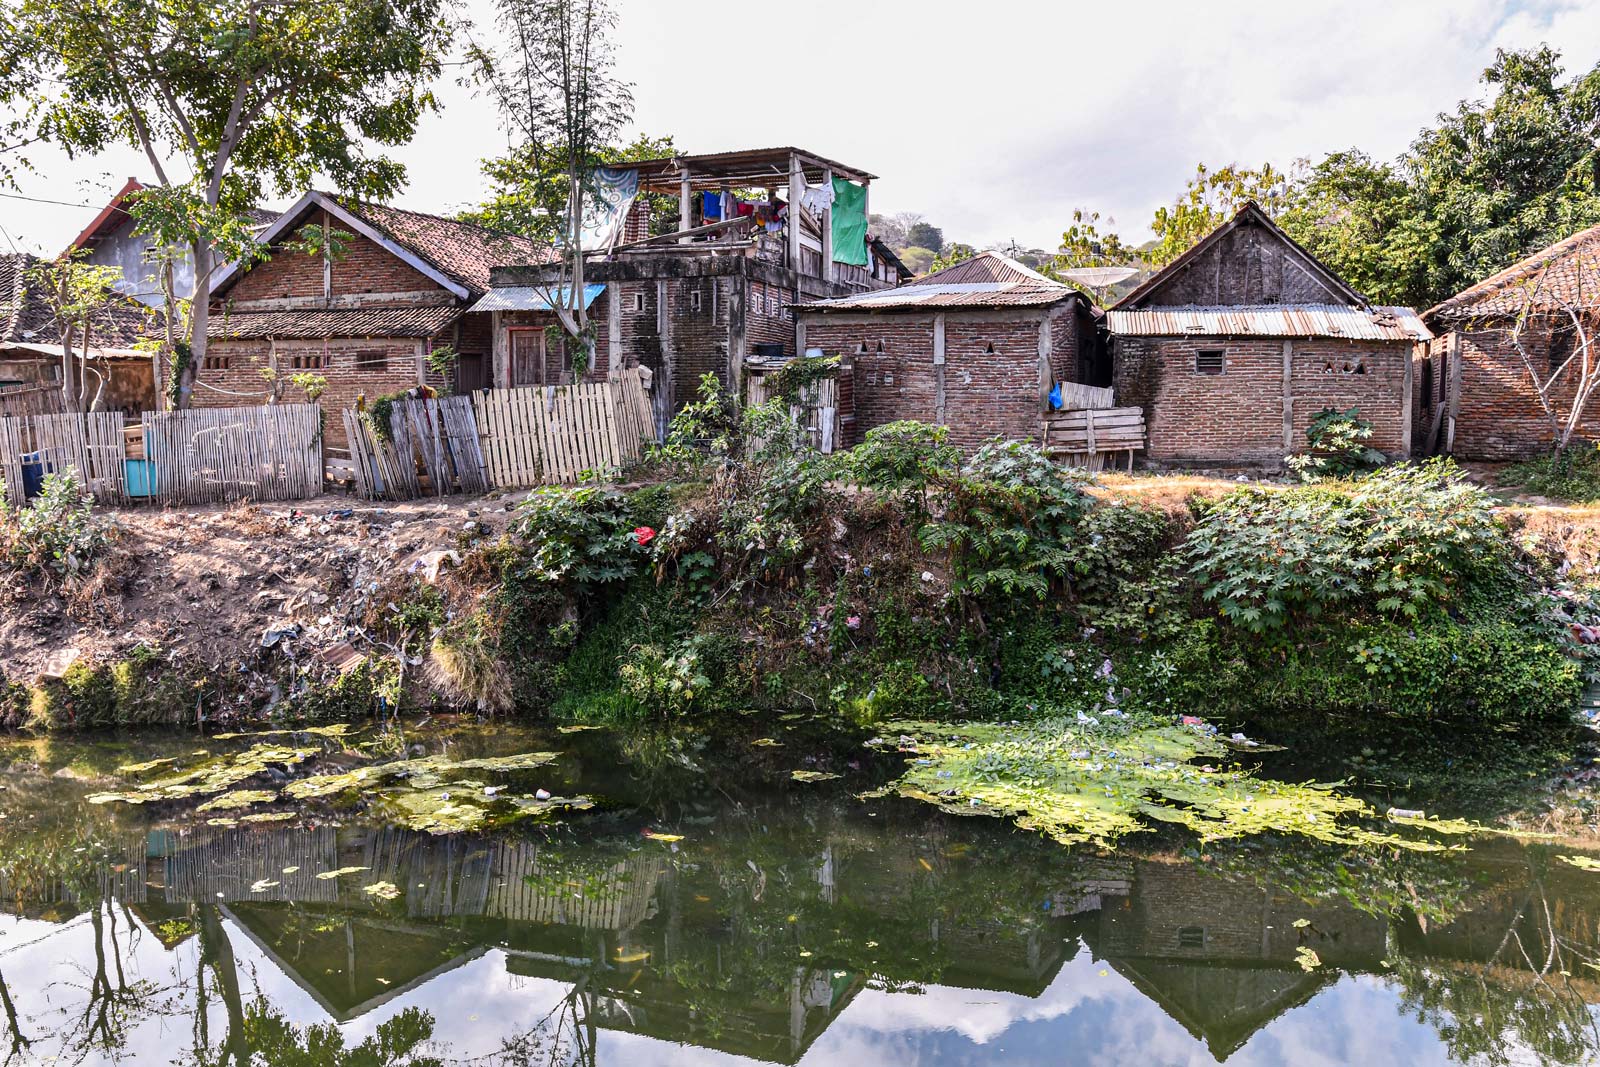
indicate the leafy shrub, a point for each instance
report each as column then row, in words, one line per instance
column 1380, row 677
column 584, row 535
column 1010, row 517
column 901, row 459
column 1337, row 446
column 1401, row 541
column 1123, row 579
column 56, row 535
column 666, row 679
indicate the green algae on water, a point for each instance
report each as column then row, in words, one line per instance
column 1093, row 781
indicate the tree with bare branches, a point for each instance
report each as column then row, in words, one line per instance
column 551, row 75
column 1554, row 336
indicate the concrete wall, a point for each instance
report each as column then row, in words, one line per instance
column 125, row 250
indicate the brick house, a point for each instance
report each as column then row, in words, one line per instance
column 976, row 347
column 365, row 320
column 1235, row 346
column 704, row 297
column 1474, row 395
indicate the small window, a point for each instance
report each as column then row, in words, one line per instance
column 372, row 359
column 695, row 302
column 307, row 361
column 218, row 362
column 1209, row 361
column 1192, row 937
column 862, row 349
column 638, row 301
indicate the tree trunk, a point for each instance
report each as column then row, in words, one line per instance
column 199, row 320
column 217, row 950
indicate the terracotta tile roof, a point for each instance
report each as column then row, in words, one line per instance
column 1568, row 272
column 333, row 322
column 987, row 280
column 463, row 251
column 25, row 318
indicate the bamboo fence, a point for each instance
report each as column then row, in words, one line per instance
column 90, row 445
column 204, row 455
column 817, row 413
column 43, row 399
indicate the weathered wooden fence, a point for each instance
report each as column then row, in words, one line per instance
column 1077, row 397
column 546, row 434
column 817, row 413
column 201, row 455
column 1088, row 437
column 89, row 444
column 18, row 400
column 435, row 438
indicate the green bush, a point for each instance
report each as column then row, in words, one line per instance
column 585, row 535
column 1010, row 518
column 56, row 534
column 1379, row 677
column 1573, row 476
column 1400, row 542
column 1338, row 446
column 901, row 460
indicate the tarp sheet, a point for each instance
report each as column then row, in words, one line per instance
column 531, row 297
column 849, row 222
column 606, row 201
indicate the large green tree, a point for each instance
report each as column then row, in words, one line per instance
column 226, row 99
column 1499, row 179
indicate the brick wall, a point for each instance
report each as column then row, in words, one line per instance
column 352, row 367
column 1237, row 416
column 1500, row 417
column 365, row 268
column 767, row 320
column 991, row 379
column 987, row 394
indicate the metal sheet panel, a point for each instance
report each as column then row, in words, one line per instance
column 1281, row 320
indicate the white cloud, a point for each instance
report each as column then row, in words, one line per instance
column 993, row 120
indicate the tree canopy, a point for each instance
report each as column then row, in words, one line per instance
column 226, row 99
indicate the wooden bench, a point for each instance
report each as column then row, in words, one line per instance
column 1085, row 437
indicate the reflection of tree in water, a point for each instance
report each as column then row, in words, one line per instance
column 563, row 1037
column 1532, row 992
column 275, row 1042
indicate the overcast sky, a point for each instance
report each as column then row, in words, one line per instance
column 992, row 119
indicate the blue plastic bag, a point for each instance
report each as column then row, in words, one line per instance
column 1055, row 396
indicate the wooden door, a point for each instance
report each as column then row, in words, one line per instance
column 472, row 373
column 528, row 358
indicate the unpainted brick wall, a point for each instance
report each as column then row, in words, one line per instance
column 246, row 360
column 365, row 268
column 1500, row 417
column 987, row 394
column 1237, row 416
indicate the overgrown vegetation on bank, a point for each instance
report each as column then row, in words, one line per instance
column 901, row 580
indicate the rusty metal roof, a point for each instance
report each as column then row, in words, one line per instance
column 987, row 280
column 1272, row 320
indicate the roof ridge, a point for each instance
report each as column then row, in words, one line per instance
column 1505, row 277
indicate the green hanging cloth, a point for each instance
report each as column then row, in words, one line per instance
column 849, row 222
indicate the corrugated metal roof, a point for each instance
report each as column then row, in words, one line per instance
column 1272, row 320
column 988, row 279
column 334, row 322
column 531, row 297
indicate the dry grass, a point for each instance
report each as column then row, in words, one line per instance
column 465, row 665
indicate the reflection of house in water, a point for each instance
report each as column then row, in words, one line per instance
column 1218, row 954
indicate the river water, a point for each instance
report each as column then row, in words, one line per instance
column 709, row 908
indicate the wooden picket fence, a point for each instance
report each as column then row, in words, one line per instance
column 1078, row 397
column 553, row 434
column 204, row 455
column 91, row 445
column 1093, row 437
column 817, row 413
column 435, row 438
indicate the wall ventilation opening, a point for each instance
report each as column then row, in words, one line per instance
column 1192, row 937
column 1209, row 361
column 638, row 301
column 695, row 303
column 988, row 349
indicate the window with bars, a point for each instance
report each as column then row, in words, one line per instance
column 372, row 359
column 308, row 361
column 1210, row 361
column 216, row 362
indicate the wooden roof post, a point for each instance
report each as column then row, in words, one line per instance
column 685, row 215
column 797, row 189
column 827, row 229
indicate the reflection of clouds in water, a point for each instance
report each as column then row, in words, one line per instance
column 1096, row 1019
